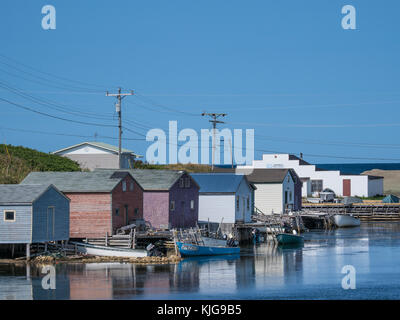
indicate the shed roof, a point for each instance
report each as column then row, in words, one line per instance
column 218, row 182
column 95, row 181
column 18, row 193
column 267, row 175
column 390, row 199
column 101, row 145
column 151, row 180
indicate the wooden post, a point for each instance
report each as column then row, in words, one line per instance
column 45, row 246
column 106, row 239
column 134, row 239
column 28, row 251
column 12, row 251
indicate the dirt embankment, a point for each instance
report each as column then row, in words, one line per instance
column 391, row 181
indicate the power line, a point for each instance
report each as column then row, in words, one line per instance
column 118, row 108
column 53, row 116
column 47, row 73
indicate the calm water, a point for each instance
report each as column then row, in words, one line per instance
column 357, row 168
column 260, row 272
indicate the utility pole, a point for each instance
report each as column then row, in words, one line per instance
column 214, row 121
column 118, row 108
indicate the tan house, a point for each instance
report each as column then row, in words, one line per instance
column 92, row 155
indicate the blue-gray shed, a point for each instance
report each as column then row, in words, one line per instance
column 33, row 214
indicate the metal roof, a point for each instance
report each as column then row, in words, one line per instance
column 101, row 145
column 95, row 181
column 218, row 182
column 24, row 194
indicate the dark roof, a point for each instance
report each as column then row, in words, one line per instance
column 301, row 161
column 261, row 175
column 219, row 182
column 156, row 180
column 18, row 193
column 96, row 181
column 266, row 175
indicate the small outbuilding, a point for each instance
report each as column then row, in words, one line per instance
column 277, row 190
column 224, row 198
column 390, row 199
column 101, row 201
column 33, row 214
column 351, row 200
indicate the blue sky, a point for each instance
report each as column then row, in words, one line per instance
column 284, row 68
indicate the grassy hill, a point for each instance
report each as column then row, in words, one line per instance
column 391, row 181
column 16, row 162
column 190, row 167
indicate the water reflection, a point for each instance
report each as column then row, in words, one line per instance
column 263, row 271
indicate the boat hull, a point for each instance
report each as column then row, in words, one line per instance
column 192, row 250
column 345, row 221
column 102, row 251
column 287, row 238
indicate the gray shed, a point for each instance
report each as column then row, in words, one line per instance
column 33, row 213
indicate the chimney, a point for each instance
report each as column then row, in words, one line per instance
column 301, row 155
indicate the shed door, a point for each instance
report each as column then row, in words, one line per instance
column 50, row 222
column 346, row 187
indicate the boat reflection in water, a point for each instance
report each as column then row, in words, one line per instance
column 309, row 271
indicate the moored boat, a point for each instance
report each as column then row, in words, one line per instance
column 103, row 251
column 344, row 221
column 191, row 250
column 288, row 238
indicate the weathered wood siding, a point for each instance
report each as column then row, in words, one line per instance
column 183, row 216
column 133, row 199
column 156, row 208
column 90, row 215
column 45, row 226
column 18, row 231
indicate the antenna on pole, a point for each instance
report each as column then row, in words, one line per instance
column 118, row 106
column 214, row 121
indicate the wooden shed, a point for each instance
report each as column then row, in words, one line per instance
column 101, row 201
column 169, row 197
column 224, row 197
column 33, row 214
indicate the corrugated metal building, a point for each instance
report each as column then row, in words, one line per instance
column 33, row 214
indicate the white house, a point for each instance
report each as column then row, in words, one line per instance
column 92, row 155
column 315, row 179
column 224, row 197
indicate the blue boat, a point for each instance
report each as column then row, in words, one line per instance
column 192, row 250
column 288, row 238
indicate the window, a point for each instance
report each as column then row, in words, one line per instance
column 124, row 185
column 237, row 202
column 290, row 195
column 9, row 215
column 187, row 182
column 248, row 203
column 117, row 211
column 316, row 185
column 131, row 186
column 136, row 211
column 181, row 183
column 192, row 204
column 172, row 205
